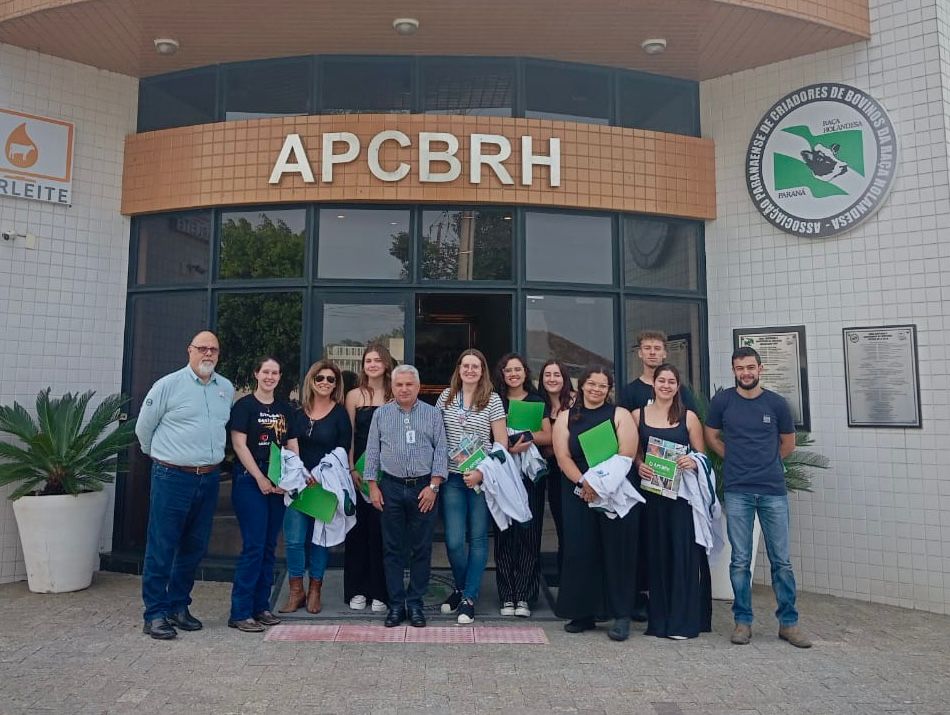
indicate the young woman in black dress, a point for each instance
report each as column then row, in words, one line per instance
column 364, row 582
column 598, row 576
column 554, row 385
column 680, row 603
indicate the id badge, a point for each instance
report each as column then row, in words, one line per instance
column 410, row 436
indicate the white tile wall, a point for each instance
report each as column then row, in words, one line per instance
column 62, row 318
column 877, row 527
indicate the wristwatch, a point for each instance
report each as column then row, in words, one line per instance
column 434, row 487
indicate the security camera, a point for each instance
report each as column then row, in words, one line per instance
column 7, row 236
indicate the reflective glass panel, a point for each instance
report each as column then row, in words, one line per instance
column 577, row 330
column 660, row 253
column 173, row 248
column 658, row 104
column 566, row 93
column 354, row 86
column 568, row 248
column 468, row 86
column 363, row 243
column 467, row 244
column 349, row 327
column 178, row 100
column 681, row 321
column 267, row 89
column 263, row 244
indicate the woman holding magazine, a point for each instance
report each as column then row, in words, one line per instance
column 598, row 574
column 680, row 601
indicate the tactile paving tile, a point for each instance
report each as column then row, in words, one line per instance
column 302, row 633
column 510, row 634
column 371, row 634
column 438, row 634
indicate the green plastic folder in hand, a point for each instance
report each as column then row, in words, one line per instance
column 360, row 466
column 273, row 465
column 317, row 502
column 599, row 443
column 525, row 416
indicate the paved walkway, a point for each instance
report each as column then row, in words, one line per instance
column 85, row 653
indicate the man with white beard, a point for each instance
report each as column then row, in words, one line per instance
column 181, row 426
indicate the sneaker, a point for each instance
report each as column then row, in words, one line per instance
column 508, row 608
column 358, row 603
column 451, row 604
column 794, row 635
column 743, row 634
column 677, row 638
column 466, row 612
column 522, row 610
column 378, row 607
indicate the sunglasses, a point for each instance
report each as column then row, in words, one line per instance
column 329, row 378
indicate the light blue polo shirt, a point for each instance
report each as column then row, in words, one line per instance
column 183, row 421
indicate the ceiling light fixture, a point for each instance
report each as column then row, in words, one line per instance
column 654, row 46
column 406, row 25
column 166, row 45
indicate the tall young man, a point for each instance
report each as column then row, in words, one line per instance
column 651, row 351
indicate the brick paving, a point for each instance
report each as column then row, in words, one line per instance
column 84, row 653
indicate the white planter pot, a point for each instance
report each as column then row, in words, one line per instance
column 721, row 555
column 60, row 536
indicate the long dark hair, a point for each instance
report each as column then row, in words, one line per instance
column 585, row 375
column 677, row 411
column 564, row 396
column 363, row 382
column 498, row 376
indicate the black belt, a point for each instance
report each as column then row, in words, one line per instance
column 198, row 470
column 408, row 481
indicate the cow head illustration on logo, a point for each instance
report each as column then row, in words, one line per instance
column 20, row 150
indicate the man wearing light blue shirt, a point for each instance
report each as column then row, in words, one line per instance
column 182, row 427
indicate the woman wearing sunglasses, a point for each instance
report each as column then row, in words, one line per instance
column 321, row 425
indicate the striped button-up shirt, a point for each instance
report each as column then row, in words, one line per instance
column 389, row 449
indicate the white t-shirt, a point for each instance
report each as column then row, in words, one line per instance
column 459, row 421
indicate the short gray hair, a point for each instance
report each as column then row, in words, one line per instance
column 400, row 369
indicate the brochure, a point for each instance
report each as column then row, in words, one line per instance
column 468, row 455
column 599, row 443
column 525, row 416
column 661, row 456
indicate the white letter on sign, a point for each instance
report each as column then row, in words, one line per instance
column 300, row 164
column 553, row 160
column 427, row 156
column 493, row 161
column 374, row 166
column 329, row 158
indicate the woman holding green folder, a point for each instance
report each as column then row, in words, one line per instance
column 258, row 421
column 555, row 387
column 598, row 575
column 518, row 549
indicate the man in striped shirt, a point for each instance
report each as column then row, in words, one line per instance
column 407, row 447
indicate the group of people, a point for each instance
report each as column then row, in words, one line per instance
column 645, row 561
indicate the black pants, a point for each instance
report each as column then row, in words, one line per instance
column 404, row 525
column 518, row 551
column 363, row 573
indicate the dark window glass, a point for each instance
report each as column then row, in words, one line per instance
column 173, row 248
column 354, row 86
column 263, row 244
column 681, row 321
column 466, row 244
column 178, row 101
column 578, row 330
column 660, row 253
column 568, row 248
column 474, row 87
column 363, row 243
column 574, row 95
column 659, row 105
column 268, row 89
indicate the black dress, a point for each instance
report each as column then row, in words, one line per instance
column 598, row 573
column 363, row 549
column 678, row 570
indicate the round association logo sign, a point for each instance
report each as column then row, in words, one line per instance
column 821, row 160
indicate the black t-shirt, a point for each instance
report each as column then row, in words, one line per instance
column 317, row 438
column 638, row 394
column 263, row 424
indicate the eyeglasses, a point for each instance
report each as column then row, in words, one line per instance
column 205, row 349
column 329, row 378
column 513, row 370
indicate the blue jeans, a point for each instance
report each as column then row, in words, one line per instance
column 260, row 518
column 465, row 514
column 298, row 528
column 405, row 528
column 180, row 513
column 773, row 516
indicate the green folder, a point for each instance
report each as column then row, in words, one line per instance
column 317, row 502
column 273, row 465
column 360, row 466
column 525, row 416
column 599, row 443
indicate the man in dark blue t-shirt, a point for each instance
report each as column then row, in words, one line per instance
column 753, row 430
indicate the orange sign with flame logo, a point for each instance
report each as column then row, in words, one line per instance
column 37, row 158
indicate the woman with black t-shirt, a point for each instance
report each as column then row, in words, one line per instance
column 554, row 385
column 257, row 421
column 598, row 576
column 320, row 425
column 518, row 550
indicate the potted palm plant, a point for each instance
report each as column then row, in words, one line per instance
column 59, row 462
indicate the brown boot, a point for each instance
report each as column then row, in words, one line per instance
column 296, row 597
column 313, row 596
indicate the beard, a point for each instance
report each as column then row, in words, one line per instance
column 205, row 368
column 754, row 384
